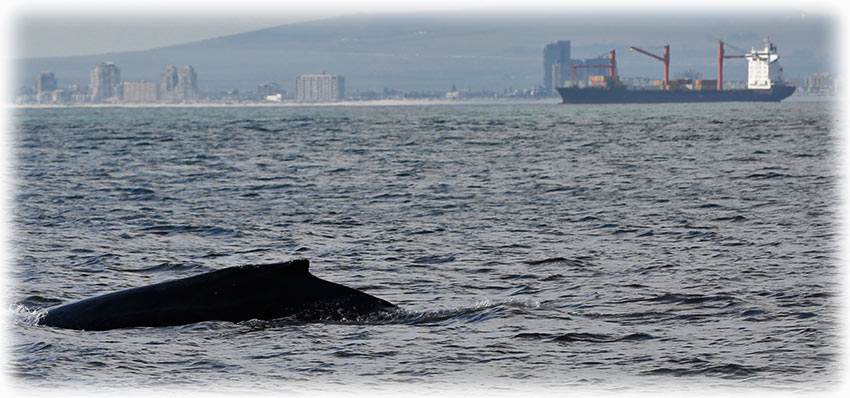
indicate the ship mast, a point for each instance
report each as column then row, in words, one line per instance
column 721, row 55
column 665, row 60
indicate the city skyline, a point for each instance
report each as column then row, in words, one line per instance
column 180, row 87
column 474, row 51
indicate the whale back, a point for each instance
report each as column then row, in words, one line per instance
column 257, row 291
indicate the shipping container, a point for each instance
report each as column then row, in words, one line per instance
column 705, row 84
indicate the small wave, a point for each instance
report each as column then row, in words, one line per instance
column 271, row 187
column 546, row 261
column 133, row 194
column 601, row 338
column 756, row 315
column 767, row 176
column 646, row 316
column 96, row 260
column 434, row 259
column 38, row 302
column 726, row 371
column 365, row 355
column 257, row 127
column 161, row 267
column 803, row 315
column 704, row 236
column 202, row 230
column 736, row 218
column 753, row 312
column 575, row 262
column 652, row 268
column 535, row 336
column 685, row 299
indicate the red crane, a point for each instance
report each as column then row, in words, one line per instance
column 721, row 55
column 665, row 59
column 612, row 65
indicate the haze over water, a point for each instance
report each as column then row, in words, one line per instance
column 652, row 247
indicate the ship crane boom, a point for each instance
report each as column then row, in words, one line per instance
column 665, row 59
column 612, row 65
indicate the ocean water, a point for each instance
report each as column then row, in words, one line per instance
column 543, row 248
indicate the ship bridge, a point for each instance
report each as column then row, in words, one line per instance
column 764, row 70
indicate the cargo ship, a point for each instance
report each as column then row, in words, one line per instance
column 764, row 83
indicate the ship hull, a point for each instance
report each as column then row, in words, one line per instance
column 619, row 95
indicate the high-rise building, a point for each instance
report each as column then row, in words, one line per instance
column 319, row 88
column 187, row 84
column 822, row 84
column 140, row 92
column 179, row 85
column 555, row 53
column 167, row 83
column 105, row 79
column 561, row 71
column 45, row 81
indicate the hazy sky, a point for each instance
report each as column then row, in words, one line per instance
column 55, row 35
column 51, row 28
column 48, row 28
column 39, row 33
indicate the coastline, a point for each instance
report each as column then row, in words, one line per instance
column 368, row 103
column 293, row 104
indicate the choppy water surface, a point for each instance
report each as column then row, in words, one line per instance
column 531, row 247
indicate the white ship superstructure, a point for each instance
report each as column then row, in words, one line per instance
column 764, row 70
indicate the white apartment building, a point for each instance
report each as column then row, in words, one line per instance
column 319, row 88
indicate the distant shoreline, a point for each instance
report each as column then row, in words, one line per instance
column 293, row 104
column 387, row 102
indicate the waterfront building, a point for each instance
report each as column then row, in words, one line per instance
column 24, row 95
column 821, row 84
column 555, row 57
column 179, row 85
column 187, row 84
column 45, row 81
column 268, row 88
column 140, row 92
column 80, row 97
column 319, row 88
column 105, row 80
column 560, row 73
column 167, row 83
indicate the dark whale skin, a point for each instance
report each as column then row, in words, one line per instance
column 265, row 292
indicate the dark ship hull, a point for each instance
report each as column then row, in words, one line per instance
column 620, row 95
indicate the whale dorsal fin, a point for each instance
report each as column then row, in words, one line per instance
column 298, row 267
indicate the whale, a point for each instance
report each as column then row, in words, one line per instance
column 234, row 294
